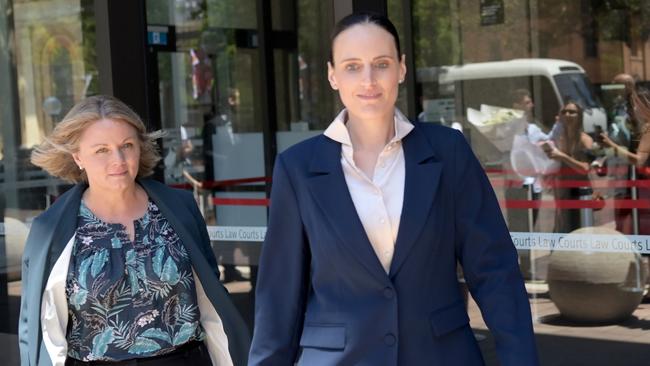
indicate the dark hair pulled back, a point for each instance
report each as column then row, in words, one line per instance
column 364, row 18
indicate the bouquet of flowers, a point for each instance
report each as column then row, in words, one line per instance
column 499, row 125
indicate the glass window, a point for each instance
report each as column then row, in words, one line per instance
column 210, row 99
column 396, row 14
column 210, row 91
column 501, row 75
column 577, row 87
column 306, row 104
column 47, row 63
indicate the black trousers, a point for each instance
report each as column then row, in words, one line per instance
column 192, row 354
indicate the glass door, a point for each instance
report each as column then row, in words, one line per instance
column 501, row 71
column 209, row 92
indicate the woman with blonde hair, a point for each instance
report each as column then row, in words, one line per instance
column 120, row 269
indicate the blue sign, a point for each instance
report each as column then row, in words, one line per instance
column 157, row 38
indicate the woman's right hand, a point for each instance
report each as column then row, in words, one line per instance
column 607, row 141
column 551, row 150
column 556, row 154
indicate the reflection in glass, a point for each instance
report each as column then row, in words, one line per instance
column 211, row 112
column 47, row 63
column 308, row 104
column 592, row 42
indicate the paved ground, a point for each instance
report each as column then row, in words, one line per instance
column 560, row 342
column 563, row 343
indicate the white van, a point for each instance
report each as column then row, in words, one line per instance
column 448, row 91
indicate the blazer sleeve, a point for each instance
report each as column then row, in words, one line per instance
column 23, row 326
column 489, row 260
column 29, row 305
column 238, row 337
column 201, row 227
column 283, row 278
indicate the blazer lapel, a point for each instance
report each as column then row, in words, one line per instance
column 330, row 191
column 420, row 187
column 51, row 235
column 67, row 223
column 185, row 224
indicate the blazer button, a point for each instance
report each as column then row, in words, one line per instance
column 389, row 339
column 389, row 293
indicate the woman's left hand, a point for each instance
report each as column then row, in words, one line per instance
column 556, row 154
column 607, row 141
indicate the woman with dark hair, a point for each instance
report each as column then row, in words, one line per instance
column 640, row 138
column 367, row 224
column 641, row 101
column 624, row 155
column 572, row 149
column 119, row 270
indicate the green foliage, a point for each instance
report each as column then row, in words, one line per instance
column 101, row 342
column 79, row 298
column 436, row 33
column 83, row 272
column 143, row 345
column 157, row 333
column 184, row 334
column 170, row 272
column 99, row 259
column 158, row 261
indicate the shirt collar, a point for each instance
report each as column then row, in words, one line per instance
column 339, row 133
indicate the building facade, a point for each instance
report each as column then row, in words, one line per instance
column 234, row 83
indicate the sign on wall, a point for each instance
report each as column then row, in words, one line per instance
column 582, row 242
column 492, row 12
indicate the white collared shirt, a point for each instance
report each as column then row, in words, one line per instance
column 535, row 136
column 378, row 199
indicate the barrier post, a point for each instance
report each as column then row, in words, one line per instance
column 531, row 217
column 586, row 214
column 635, row 196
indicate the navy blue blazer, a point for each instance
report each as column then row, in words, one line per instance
column 323, row 297
column 51, row 231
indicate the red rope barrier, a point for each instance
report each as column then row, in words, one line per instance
column 619, row 170
column 575, row 204
column 209, row 184
column 218, row 201
column 552, row 183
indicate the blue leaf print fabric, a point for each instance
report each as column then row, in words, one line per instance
column 129, row 299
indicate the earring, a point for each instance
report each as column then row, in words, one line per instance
column 401, row 81
column 81, row 168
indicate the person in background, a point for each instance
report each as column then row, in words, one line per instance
column 572, row 148
column 532, row 187
column 222, row 121
column 639, row 155
column 522, row 101
column 624, row 125
column 120, row 267
column 368, row 222
column 641, row 102
column 623, row 137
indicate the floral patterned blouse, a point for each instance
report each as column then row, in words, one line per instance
column 128, row 299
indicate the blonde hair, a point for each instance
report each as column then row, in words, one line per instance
column 641, row 104
column 54, row 155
